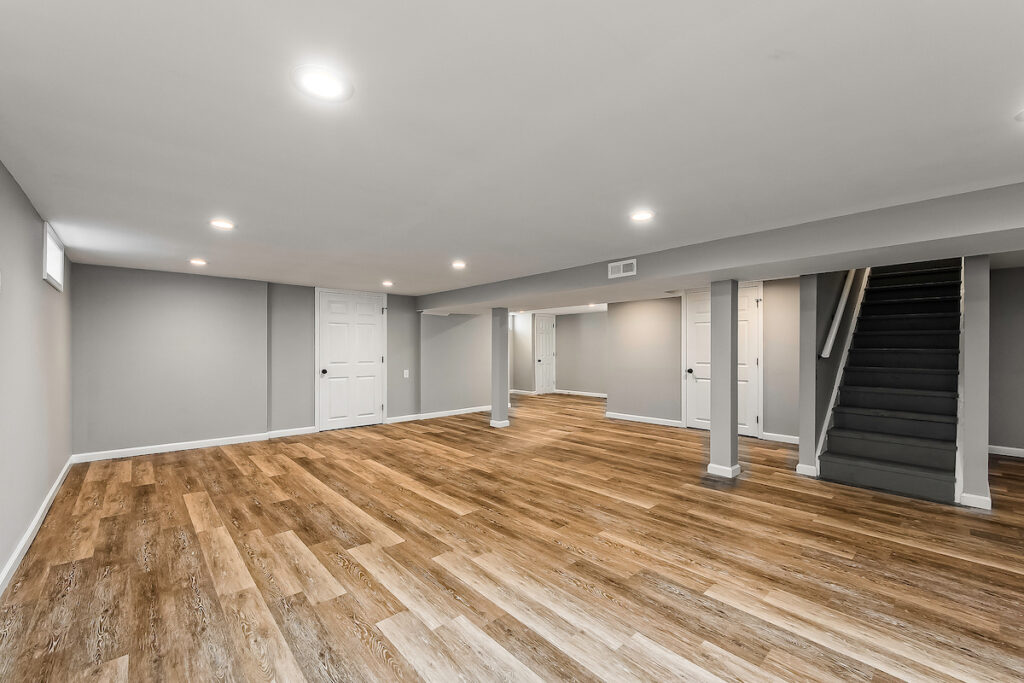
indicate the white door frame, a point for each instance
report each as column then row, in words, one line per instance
column 759, row 284
column 554, row 354
column 316, row 349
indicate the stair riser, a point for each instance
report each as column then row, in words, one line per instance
column 897, row 307
column 897, row 340
column 900, row 380
column 924, row 278
column 924, row 429
column 933, row 405
column 918, row 456
column 901, row 484
column 904, row 359
column 907, row 324
column 923, row 265
column 916, row 292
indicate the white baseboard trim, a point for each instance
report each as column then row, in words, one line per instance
column 500, row 423
column 723, row 471
column 1007, row 450
column 592, row 394
column 807, row 470
column 297, row 431
column 781, row 438
column 33, row 528
column 167, row 447
column 976, row 501
column 647, row 420
column 524, row 392
column 442, row 413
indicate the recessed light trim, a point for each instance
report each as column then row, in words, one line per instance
column 222, row 224
column 197, row 262
column 642, row 216
column 458, row 264
column 592, row 305
column 322, row 83
column 388, row 283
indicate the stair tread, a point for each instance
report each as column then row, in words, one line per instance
column 937, row 269
column 900, row 316
column 901, row 414
column 918, row 371
column 903, row 392
column 903, row 349
column 912, row 300
column 913, row 285
column 905, row 333
column 893, row 438
column 931, row 472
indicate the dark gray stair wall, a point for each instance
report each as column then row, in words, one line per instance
column 894, row 427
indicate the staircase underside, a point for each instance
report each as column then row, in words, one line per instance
column 894, row 426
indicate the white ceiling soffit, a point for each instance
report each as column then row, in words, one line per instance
column 570, row 310
column 517, row 136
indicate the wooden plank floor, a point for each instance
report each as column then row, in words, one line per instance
column 568, row 547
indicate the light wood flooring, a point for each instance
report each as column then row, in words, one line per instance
column 566, row 547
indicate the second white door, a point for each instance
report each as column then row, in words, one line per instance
column 544, row 344
column 350, row 382
column 698, row 359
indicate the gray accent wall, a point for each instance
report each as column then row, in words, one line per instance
column 524, row 376
column 581, row 345
column 1006, row 384
column 35, row 369
column 455, row 358
column 645, row 358
column 163, row 358
column 403, row 354
column 830, row 289
column 291, row 321
column 781, row 317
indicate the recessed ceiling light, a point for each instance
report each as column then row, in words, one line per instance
column 1019, row 117
column 387, row 283
column 222, row 224
column 641, row 215
column 591, row 305
column 322, row 83
column 197, row 262
column 458, row 264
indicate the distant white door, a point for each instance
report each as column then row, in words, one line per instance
column 350, row 349
column 698, row 359
column 544, row 329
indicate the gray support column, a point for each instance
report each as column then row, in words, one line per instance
column 499, row 367
column 975, row 375
column 808, row 464
column 724, row 459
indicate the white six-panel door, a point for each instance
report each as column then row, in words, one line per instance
column 350, row 381
column 697, row 376
column 544, row 329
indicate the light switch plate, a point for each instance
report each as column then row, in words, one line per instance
column 406, row 373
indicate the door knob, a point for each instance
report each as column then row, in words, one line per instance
column 324, row 371
column 539, row 360
column 689, row 371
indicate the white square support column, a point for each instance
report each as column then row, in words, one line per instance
column 499, row 367
column 724, row 349
column 974, row 416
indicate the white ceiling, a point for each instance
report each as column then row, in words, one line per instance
column 515, row 135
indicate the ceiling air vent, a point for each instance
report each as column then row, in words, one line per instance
column 622, row 268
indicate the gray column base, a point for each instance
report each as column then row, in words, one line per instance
column 500, row 423
column 723, row 471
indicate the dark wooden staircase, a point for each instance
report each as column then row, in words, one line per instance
column 895, row 423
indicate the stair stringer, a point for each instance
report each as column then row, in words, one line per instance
column 847, row 343
column 958, row 484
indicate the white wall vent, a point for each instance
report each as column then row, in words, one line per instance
column 622, row 268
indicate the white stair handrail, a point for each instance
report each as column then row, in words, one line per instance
column 837, row 317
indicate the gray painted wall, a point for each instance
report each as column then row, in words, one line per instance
column 291, row 320
column 645, row 358
column 455, row 362
column 1007, row 362
column 524, row 376
column 781, row 318
column 165, row 357
column 35, row 368
column 830, row 288
column 581, row 342
column 403, row 354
